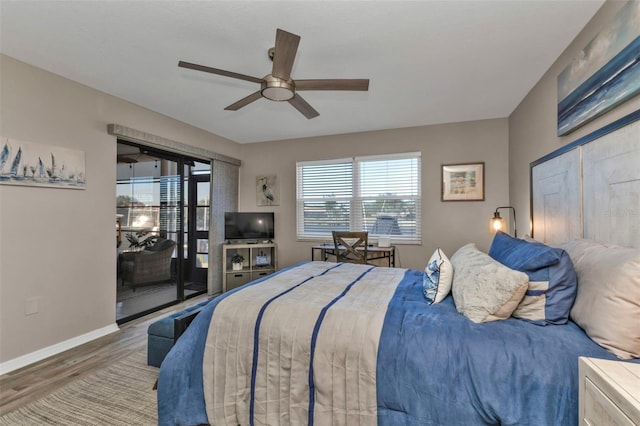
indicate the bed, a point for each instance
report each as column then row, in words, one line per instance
column 341, row 344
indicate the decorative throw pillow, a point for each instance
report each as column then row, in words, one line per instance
column 607, row 305
column 484, row 289
column 438, row 275
column 552, row 278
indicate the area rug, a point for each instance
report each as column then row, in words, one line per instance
column 119, row 395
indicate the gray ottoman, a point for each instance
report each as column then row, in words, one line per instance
column 163, row 333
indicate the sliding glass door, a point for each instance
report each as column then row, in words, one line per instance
column 197, row 232
column 158, row 254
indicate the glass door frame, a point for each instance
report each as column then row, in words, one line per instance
column 183, row 163
column 195, row 234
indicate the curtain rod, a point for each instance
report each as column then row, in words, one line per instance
column 133, row 135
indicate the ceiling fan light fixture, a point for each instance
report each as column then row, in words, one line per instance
column 277, row 89
column 279, row 86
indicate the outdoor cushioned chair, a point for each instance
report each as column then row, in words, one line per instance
column 148, row 266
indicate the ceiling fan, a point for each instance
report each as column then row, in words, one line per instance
column 279, row 86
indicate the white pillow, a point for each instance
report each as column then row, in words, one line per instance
column 483, row 289
column 607, row 305
column 438, row 276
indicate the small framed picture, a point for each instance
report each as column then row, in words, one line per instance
column 267, row 190
column 463, row 182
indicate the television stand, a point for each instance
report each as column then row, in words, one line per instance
column 259, row 260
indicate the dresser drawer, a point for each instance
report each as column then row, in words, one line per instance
column 599, row 410
column 236, row 279
column 609, row 392
column 259, row 274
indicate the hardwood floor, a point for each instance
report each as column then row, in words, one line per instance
column 30, row 383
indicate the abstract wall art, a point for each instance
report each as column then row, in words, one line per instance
column 604, row 74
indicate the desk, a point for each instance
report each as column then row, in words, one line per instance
column 373, row 253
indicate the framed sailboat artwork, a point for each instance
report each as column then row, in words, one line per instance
column 35, row 164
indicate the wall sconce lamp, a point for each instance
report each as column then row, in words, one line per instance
column 497, row 222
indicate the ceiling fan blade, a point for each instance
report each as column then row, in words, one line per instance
column 302, row 106
column 244, row 101
column 284, row 54
column 203, row 68
column 361, row 84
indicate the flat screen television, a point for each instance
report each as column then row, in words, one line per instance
column 248, row 226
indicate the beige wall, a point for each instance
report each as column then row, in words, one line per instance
column 448, row 225
column 532, row 126
column 57, row 245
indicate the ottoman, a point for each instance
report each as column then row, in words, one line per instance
column 163, row 333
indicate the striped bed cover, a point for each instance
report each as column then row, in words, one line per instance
column 300, row 350
column 341, row 344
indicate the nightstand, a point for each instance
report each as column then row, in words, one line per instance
column 609, row 392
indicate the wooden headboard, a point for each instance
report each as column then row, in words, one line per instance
column 590, row 188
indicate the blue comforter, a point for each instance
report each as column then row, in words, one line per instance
column 435, row 367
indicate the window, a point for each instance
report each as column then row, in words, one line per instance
column 378, row 194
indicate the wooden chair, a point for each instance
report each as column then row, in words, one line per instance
column 351, row 246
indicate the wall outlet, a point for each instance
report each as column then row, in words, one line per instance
column 31, row 306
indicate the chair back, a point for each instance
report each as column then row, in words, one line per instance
column 351, row 246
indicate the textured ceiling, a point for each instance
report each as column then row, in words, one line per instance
column 428, row 61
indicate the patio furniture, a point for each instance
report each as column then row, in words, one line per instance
column 150, row 265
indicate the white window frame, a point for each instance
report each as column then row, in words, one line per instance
column 355, row 214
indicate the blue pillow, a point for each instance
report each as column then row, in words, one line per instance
column 552, row 278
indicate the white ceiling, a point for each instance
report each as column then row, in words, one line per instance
column 428, row 61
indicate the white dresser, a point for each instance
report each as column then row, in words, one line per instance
column 609, row 392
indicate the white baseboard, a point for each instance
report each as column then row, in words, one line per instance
column 39, row 355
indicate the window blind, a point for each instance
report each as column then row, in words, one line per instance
column 378, row 194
